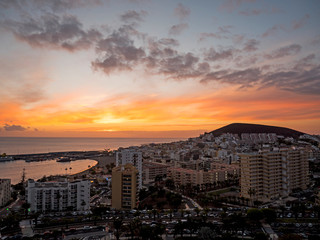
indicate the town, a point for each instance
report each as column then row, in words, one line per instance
column 215, row 186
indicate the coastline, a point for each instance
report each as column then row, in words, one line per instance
column 101, row 163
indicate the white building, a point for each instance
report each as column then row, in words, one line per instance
column 58, row 196
column 131, row 156
column 5, row 191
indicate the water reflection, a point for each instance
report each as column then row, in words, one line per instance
column 13, row 170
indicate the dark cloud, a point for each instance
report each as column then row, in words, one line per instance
column 179, row 66
column 284, row 51
column 53, row 31
column 165, row 60
column 213, row 55
column 251, row 45
column 5, row 4
column 244, row 78
column 118, row 52
column 305, row 82
column 272, row 31
column 13, row 127
column 177, row 29
column 301, row 78
column 243, row 62
column 169, row 42
column 305, row 63
column 301, row 22
column 182, row 11
column 133, row 16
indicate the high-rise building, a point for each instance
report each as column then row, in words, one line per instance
column 268, row 175
column 124, row 186
column 131, row 156
column 5, row 191
column 58, row 196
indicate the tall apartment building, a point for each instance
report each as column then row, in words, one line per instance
column 124, row 186
column 133, row 157
column 268, row 175
column 58, row 196
column 5, row 191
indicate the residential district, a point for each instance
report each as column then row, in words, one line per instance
column 247, row 186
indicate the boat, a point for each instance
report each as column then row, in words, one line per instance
column 6, row 158
column 63, row 159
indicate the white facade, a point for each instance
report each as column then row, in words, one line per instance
column 131, row 156
column 5, row 191
column 58, row 196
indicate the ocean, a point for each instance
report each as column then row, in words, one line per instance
column 35, row 170
column 27, row 145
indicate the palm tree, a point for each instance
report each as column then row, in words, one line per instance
column 154, row 211
column 197, row 210
column 251, row 192
column 134, row 227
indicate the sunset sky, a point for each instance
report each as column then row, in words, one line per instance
column 151, row 68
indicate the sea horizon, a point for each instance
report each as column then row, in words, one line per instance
column 38, row 145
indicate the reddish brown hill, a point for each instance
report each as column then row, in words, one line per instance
column 239, row 128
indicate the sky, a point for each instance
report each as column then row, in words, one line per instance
column 151, row 68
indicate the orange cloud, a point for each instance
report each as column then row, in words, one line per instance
column 128, row 115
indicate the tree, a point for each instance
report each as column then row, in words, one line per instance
column 146, row 232
column 206, row 233
column 25, row 206
column 134, row 227
column 251, row 192
column 117, row 225
column 169, row 183
column 178, row 229
column 269, row 214
column 290, row 236
column 261, row 236
column 254, row 214
column 197, row 210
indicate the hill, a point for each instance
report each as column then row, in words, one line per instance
column 239, row 128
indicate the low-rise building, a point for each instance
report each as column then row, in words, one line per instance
column 218, row 172
column 58, row 196
column 151, row 169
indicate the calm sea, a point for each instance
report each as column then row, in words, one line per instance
column 25, row 145
column 36, row 170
